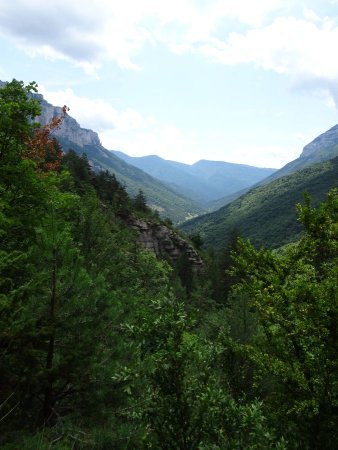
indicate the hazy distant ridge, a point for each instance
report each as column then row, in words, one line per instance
column 205, row 181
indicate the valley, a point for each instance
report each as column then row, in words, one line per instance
column 120, row 330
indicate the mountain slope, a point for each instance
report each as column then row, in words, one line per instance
column 175, row 175
column 267, row 214
column 204, row 181
column 159, row 196
column 223, row 201
column 322, row 148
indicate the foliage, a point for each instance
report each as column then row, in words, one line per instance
column 42, row 148
column 17, row 110
column 103, row 346
column 68, row 268
column 295, row 299
column 187, row 403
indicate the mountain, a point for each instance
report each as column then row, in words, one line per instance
column 205, row 181
column 174, row 174
column 322, row 148
column 159, row 196
column 267, row 214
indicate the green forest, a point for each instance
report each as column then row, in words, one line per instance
column 267, row 214
column 103, row 346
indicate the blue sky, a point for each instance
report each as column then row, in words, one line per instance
column 234, row 80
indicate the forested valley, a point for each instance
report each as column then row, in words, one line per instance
column 103, row 346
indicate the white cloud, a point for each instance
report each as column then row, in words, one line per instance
column 168, row 142
column 311, row 15
column 89, row 33
column 287, row 45
column 97, row 114
column 273, row 156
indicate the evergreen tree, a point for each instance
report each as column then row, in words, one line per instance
column 140, row 202
column 294, row 349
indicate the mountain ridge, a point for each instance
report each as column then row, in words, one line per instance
column 204, row 181
column 323, row 148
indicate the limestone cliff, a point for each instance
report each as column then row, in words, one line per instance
column 70, row 129
column 325, row 140
column 165, row 243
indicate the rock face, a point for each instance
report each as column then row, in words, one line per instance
column 70, row 129
column 165, row 243
column 327, row 139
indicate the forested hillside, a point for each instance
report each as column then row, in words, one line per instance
column 102, row 346
column 267, row 214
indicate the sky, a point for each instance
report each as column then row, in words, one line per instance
column 241, row 81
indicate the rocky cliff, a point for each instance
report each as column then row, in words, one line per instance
column 70, row 129
column 165, row 243
column 325, row 140
column 321, row 149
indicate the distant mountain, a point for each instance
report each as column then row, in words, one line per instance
column 322, row 148
column 159, row 196
column 267, row 214
column 205, row 181
column 174, row 174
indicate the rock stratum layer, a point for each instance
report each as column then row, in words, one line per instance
column 165, row 243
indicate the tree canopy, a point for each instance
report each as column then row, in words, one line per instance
column 102, row 346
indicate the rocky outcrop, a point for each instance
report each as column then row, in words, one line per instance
column 325, row 140
column 165, row 243
column 70, row 129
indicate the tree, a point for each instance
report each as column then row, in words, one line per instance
column 44, row 149
column 17, row 112
column 182, row 398
column 197, row 240
column 51, row 306
column 140, row 202
column 294, row 349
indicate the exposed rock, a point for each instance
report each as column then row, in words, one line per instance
column 70, row 129
column 165, row 243
column 327, row 139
